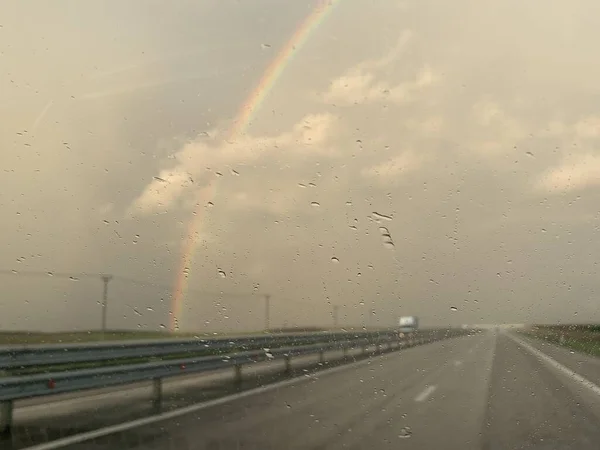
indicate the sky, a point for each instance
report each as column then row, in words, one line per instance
column 431, row 158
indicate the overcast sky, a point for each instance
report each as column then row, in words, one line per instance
column 467, row 131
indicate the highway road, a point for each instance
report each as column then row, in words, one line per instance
column 493, row 390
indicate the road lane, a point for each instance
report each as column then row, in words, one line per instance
column 485, row 391
column 585, row 365
column 34, row 424
column 369, row 406
column 534, row 406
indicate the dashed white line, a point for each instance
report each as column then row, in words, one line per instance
column 426, row 393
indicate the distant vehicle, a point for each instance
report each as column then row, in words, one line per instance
column 408, row 324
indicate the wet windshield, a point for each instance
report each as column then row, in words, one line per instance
column 309, row 224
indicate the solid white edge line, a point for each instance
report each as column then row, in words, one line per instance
column 426, row 393
column 552, row 362
column 83, row 437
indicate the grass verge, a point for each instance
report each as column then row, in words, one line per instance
column 580, row 338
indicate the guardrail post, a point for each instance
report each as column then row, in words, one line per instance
column 157, row 393
column 6, row 415
column 237, row 377
column 288, row 364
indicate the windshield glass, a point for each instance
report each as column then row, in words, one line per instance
column 394, row 201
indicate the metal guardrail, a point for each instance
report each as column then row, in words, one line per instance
column 55, row 382
column 51, row 354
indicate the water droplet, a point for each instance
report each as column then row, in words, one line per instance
column 315, row 204
column 361, row 303
column 137, row 312
column 106, row 222
column 379, row 216
column 73, row 278
column 334, row 259
column 222, row 273
column 234, row 172
column 405, row 432
column 210, row 204
column 265, row 46
column 162, row 326
column 149, row 308
column 453, row 308
column 14, row 271
column 348, row 203
column 312, row 185
column 531, row 155
column 389, row 245
column 302, row 185
column 386, row 238
column 50, row 274
column 219, row 174
column 543, row 230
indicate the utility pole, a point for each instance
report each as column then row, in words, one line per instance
column 335, row 315
column 105, row 280
column 267, row 312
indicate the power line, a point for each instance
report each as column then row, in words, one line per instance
column 49, row 273
column 125, row 279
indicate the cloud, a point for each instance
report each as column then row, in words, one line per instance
column 429, row 125
column 366, row 81
column 163, row 190
column 391, row 170
column 198, row 162
column 588, row 128
column 577, row 172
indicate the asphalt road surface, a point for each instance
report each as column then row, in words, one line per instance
column 488, row 391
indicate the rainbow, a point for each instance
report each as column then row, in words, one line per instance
column 241, row 123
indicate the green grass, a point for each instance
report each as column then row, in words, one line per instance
column 584, row 339
column 73, row 337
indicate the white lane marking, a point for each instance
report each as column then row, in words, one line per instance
column 94, row 434
column 551, row 361
column 426, row 393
